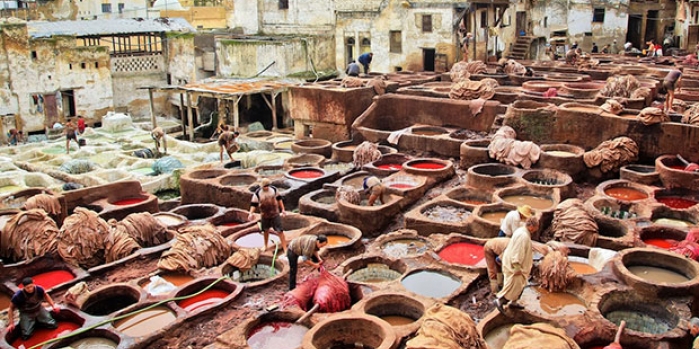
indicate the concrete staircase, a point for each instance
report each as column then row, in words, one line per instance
column 520, row 49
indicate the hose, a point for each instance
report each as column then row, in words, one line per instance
column 274, row 257
column 104, row 322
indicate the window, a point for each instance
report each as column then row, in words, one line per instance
column 106, row 8
column 546, row 22
column 283, row 4
column 395, row 41
column 121, row 7
column 34, row 56
column 426, row 23
column 598, row 15
column 83, row 65
column 484, row 19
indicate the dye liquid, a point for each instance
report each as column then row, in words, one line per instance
column 676, row 202
column 255, row 240
column 462, row 253
column 655, row 274
column 52, row 278
column 430, row 284
column 427, row 165
column 397, row 320
column 127, row 202
column 145, row 323
column 661, row 243
column 494, row 217
column 205, row 299
column 306, row 174
column 390, row 167
column 582, row 268
column 94, row 343
column 535, row 202
column 336, row 239
column 626, row 194
column 42, row 334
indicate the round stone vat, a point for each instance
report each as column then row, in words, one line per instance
column 324, row 197
column 678, row 219
column 340, row 236
column 581, row 110
column 384, row 150
column 431, row 283
column 110, row 299
column 675, row 198
column 429, row 167
column 582, row 90
column 204, row 174
column 357, row 331
column 170, row 220
column 581, row 265
column 231, row 220
column 128, row 201
column 356, row 179
column 373, row 270
column 613, row 234
column 445, row 212
column 269, row 171
column 552, row 305
column 284, row 145
column 538, row 199
column 295, row 222
column 495, row 327
column 428, row 130
column 319, row 203
column 607, row 209
column 487, row 218
column 158, row 289
column 313, row 146
column 663, row 237
column 403, row 243
column 253, row 238
column 98, row 338
column 658, row 272
column 646, row 317
column 489, row 176
column 237, row 180
column 261, row 273
column 541, row 86
column 506, row 94
column 462, row 250
column 197, row 212
column 470, row 196
column 672, row 174
column 258, row 134
column 275, row 334
column 566, row 77
column 400, row 311
column 199, row 297
column 67, row 320
column 305, row 173
column 474, row 152
column 304, row 160
column 562, row 157
column 387, row 165
column 643, row 174
column 344, row 151
column 624, row 191
column 550, row 179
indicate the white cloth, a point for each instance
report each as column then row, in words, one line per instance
column 518, row 256
column 510, row 223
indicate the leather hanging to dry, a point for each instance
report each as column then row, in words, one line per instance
column 199, row 246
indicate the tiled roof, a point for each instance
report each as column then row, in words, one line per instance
column 38, row 29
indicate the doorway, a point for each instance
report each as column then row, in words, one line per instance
column 633, row 34
column 521, row 23
column 651, row 26
column 428, row 55
column 349, row 49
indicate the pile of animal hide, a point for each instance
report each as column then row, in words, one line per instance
column 82, row 240
column 199, row 246
column 245, row 258
column 539, row 335
column 463, row 70
column 350, row 82
column 505, row 148
column 691, row 115
column 572, row 223
column 513, row 67
column 302, row 295
column 379, row 85
column 650, row 116
column 641, row 92
column 77, row 166
column 328, row 291
column 612, row 106
column 119, row 243
column 46, row 202
column 467, row 89
column 145, row 229
column 365, row 153
column 348, row 193
column 689, row 247
column 28, row 234
column 620, row 86
column 612, row 155
column 446, row 327
column 679, row 106
column 586, row 62
column 554, row 270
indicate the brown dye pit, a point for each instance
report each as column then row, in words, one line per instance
column 400, row 248
column 582, row 268
column 497, row 337
column 175, row 279
column 255, row 240
column 541, row 301
column 626, row 193
column 535, row 202
column 450, row 214
column 657, row 275
column 494, row 217
column 335, row 239
column 276, row 335
column 428, row 131
column 430, row 283
column 374, row 273
column 94, row 343
column 397, row 320
column 147, row 322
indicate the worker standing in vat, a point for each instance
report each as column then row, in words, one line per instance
column 672, row 81
column 70, row 131
column 28, row 302
column 365, row 61
column 227, row 141
column 373, row 186
column 514, row 219
column 271, row 207
column 81, row 124
column 158, row 134
column 517, row 261
column 353, row 69
column 307, row 247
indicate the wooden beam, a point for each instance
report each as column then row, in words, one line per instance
column 190, row 117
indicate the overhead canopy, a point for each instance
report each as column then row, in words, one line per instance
column 39, row 29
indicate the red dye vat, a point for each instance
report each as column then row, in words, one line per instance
column 676, row 202
column 427, row 165
column 126, row 202
column 661, row 243
column 52, row 278
column 231, row 224
column 392, row 167
column 462, row 253
column 42, row 335
column 625, row 193
column 678, row 167
column 401, row 186
column 306, row 174
column 204, row 299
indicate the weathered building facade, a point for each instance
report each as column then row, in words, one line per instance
column 54, row 70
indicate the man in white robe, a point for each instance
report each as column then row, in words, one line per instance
column 517, row 261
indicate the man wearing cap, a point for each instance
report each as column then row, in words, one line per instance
column 271, row 206
column 514, row 220
column 517, row 262
column 28, row 302
column 372, row 185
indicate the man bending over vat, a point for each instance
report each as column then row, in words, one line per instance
column 373, row 186
column 271, row 206
column 157, row 135
column 307, row 247
column 514, row 219
column 493, row 249
column 28, row 302
column 517, row 261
